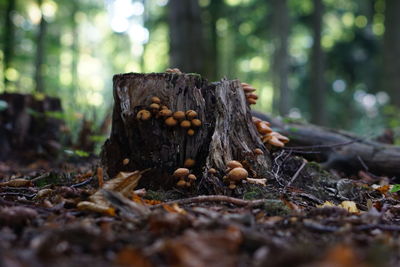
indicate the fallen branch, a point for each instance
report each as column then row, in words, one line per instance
column 214, row 198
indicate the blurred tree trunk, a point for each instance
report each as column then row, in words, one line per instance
column 9, row 39
column 280, row 70
column 186, row 37
column 317, row 81
column 75, row 49
column 40, row 53
column 214, row 9
column 391, row 51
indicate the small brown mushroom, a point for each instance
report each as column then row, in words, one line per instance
column 262, row 128
column 186, row 124
column 191, row 114
column 181, row 173
column 125, row 161
column 232, row 185
column 156, row 100
column 251, row 95
column 163, row 107
column 170, row 121
column 189, row 163
column 248, row 89
column 212, row 171
column 143, row 115
column 237, row 174
column 165, row 112
column 181, row 183
column 251, row 101
column 275, row 142
column 234, row 164
column 154, row 106
column 192, row 177
column 179, row 115
column 196, row 123
column 255, row 120
column 190, row 132
column 258, row 151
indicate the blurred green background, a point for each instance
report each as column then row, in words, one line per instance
column 334, row 62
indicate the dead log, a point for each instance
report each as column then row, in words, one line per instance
column 226, row 133
column 338, row 149
column 29, row 127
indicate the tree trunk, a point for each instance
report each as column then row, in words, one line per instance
column 391, row 51
column 280, row 28
column 317, row 81
column 214, row 9
column 9, row 39
column 40, row 53
column 186, row 36
column 227, row 132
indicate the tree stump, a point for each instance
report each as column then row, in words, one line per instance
column 226, row 132
column 29, row 127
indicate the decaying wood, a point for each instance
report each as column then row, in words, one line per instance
column 227, row 132
column 339, row 149
column 29, row 127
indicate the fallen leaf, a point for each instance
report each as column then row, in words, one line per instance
column 350, row 206
column 17, row 183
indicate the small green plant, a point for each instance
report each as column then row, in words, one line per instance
column 395, row 188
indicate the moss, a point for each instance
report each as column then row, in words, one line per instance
column 276, row 207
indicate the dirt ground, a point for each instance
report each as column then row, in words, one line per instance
column 304, row 216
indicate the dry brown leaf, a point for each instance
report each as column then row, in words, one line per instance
column 19, row 182
column 123, row 183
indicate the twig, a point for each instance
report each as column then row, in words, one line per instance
column 296, row 174
column 82, row 183
column 214, row 198
column 323, row 146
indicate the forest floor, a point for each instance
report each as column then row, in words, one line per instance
column 304, row 217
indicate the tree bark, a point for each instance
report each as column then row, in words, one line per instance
column 227, row 132
column 186, row 36
column 317, row 81
column 9, row 39
column 280, row 27
column 40, row 53
column 391, row 51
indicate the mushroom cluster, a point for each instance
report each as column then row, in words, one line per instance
column 268, row 136
column 235, row 173
column 187, row 120
column 251, row 97
column 186, row 179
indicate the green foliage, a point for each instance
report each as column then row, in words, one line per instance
column 395, row 188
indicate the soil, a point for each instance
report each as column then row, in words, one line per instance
column 282, row 224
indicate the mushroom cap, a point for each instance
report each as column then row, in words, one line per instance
column 258, row 151
column 234, row 164
column 181, row 183
column 251, row 101
column 156, row 100
column 181, row 172
column 255, row 120
column 143, row 115
column 163, row 107
column 275, row 142
column 154, row 106
column 196, row 123
column 248, row 89
column 170, row 121
column 237, row 174
column 190, row 132
column 212, row 171
column 280, row 137
column 186, row 124
column 263, row 128
column 251, row 95
column 165, row 112
column 125, row 161
column 191, row 114
column 179, row 115
column 192, row 177
column 189, row 163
